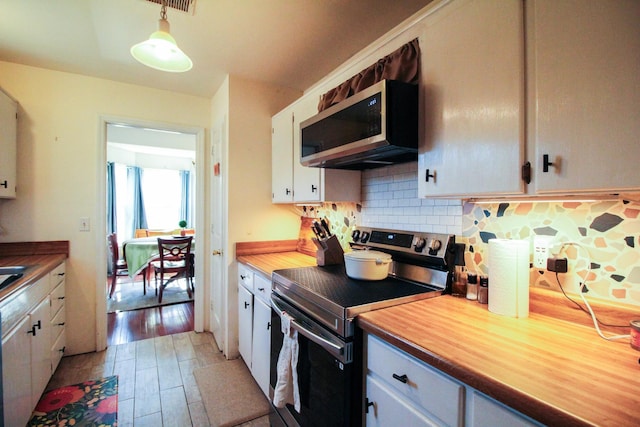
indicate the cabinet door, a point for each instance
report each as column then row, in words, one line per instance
column 16, row 374
column 306, row 181
column 388, row 409
column 472, row 140
column 8, row 145
column 40, row 349
column 282, row 157
column 485, row 412
column 261, row 344
column 245, row 324
column 585, row 99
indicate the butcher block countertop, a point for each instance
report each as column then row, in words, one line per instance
column 555, row 371
column 39, row 257
column 551, row 366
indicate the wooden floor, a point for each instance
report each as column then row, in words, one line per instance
column 135, row 325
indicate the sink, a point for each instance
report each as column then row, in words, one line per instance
column 12, row 269
column 10, row 274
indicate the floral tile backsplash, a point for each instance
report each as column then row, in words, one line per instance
column 601, row 240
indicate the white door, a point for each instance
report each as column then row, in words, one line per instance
column 218, row 297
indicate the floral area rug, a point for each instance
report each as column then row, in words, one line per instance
column 91, row 403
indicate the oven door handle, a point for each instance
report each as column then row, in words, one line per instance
column 334, row 349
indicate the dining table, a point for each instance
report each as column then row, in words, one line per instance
column 139, row 252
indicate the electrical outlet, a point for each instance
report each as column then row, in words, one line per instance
column 541, row 250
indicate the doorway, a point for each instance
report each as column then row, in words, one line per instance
column 156, row 146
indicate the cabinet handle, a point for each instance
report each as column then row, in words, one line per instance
column 268, row 326
column 261, row 289
column 242, row 276
column 60, row 274
column 367, row 404
column 246, row 304
column 4, row 184
column 402, row 378
column 428, row 175
column 313, row 188
column 60, row 297
column 546, row 163
column 287, row 191
column 32, row 331
column 38, row 325
column 60, row 324
column 62, row 349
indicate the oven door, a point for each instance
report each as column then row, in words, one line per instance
column 329, row 374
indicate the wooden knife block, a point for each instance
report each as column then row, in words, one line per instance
column 329, row 251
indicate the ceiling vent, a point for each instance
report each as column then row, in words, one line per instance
column 187, row 6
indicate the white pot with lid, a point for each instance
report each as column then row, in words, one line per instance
column 367, row 265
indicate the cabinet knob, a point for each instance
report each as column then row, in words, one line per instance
column 402, row 378
column 430, row 175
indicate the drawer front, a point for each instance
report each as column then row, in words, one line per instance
column 58, row 325
column 388, row 409
column 57, row 299
column 262, row 288
column 57, row 351
column 16, row 307
column 245, row 276
column 56, row 276
column 429, row 389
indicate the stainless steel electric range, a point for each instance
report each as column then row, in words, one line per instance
column 322, row 304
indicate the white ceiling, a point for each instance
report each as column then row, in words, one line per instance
column 292, row 43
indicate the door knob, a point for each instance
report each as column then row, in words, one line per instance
column 216, row 252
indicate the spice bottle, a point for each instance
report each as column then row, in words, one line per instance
column 459, row 288
column 472, row 286
column 483, row 290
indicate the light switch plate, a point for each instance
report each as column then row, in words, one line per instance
column 85, row 224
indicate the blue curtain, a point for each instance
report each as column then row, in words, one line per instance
column 111, row 199
column 185, row 199
column 136, row 211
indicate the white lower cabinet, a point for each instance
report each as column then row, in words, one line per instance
column 28, row 341
column 402, row 390
column 254, row 323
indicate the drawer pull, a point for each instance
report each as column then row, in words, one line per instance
column 62, row 349
column 246, row 305
column 32, row 331
column 402, row 378
column 60, row 274
column 60, row 297
column 243, row 277
column 261, row 289
column 60, row 324
column 38, row 325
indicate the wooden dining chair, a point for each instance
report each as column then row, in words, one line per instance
column 118, row 266
column 174, row 258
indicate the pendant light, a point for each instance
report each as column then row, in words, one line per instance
column 160, row 51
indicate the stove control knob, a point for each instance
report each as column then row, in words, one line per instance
column 434, row 247
column 420, row 244
column 365, row 237
column 355, row 235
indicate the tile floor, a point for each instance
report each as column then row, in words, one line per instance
column 156, row 386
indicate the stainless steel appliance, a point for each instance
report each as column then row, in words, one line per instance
column 323, row 303
column 375, row 127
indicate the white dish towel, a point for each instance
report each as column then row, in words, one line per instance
column 286, row 390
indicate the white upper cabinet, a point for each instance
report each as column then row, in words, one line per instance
column 294, row 183
column 584, row 85
column 8, row 145
column 472, row 106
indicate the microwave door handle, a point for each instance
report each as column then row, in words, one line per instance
column 332, row 348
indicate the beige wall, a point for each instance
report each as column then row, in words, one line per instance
column 58, row 152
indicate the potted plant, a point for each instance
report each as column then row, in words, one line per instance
column 183, row 225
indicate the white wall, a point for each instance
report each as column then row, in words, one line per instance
column 58, row 151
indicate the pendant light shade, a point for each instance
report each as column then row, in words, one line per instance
column 161, row 51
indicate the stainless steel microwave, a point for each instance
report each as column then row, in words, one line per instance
column 375, row 127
